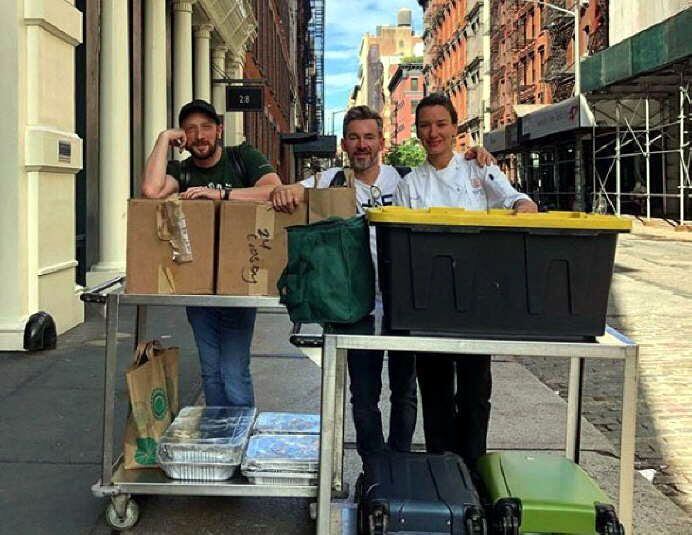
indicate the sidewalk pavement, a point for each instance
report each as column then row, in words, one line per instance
column 660, row 228
column 51, row 410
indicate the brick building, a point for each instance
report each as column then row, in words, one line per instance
column 406, row 89
column 283, row 57
column 532, row 53
column 455, row 47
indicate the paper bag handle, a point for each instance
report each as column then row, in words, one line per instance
column 145, row 351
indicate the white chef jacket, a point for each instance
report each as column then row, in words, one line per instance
column 462, row 184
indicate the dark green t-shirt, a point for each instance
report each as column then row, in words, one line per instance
column 252, row 166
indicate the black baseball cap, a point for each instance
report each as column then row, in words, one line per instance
column 198, row 106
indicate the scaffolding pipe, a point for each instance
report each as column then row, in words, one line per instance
column 593, row 161
column 664, row 169
column 618, row 204
column 648, row 161
column 682, row 154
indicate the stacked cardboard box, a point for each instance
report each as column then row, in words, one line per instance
column 236, row 248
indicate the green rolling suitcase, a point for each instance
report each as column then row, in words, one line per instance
column 532, row 494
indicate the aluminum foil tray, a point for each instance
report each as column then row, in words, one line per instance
column 283, row 423
column 282, row 453
column 282, row 478
column 205, row 443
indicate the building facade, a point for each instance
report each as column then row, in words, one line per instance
column 378, row 56
column 406, row 89
column 456, row 45
column 289, row 79
column 89, row 85
column 532, row 53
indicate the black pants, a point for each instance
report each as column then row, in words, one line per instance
column 455, row 392
column 365, row 372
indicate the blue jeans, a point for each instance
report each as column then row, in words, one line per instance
column 223, row 336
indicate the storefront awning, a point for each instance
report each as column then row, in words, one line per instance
column 494, row 141
column 318, row 146
column 644, row 62
column 570, row 114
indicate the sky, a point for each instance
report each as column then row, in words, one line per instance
column 346, row 22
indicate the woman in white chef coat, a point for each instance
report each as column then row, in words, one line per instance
column 455, row 391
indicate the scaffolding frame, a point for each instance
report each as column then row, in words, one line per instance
column 632, row 140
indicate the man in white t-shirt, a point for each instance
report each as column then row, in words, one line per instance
column 363, row 142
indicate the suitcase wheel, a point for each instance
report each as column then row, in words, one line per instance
column 506, row 517
column 475, row 522
column 607, row 522
column 378, row 520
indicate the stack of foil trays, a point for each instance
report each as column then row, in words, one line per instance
column 205, row 443
column 288, row 459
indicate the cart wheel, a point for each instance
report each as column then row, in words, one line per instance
column 124, row 521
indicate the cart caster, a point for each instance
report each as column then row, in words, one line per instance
column 122, row 513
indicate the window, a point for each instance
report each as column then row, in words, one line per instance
column 414, row 105
column 414, row 84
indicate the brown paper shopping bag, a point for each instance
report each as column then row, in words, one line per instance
column 337, row 201
column 152, row 383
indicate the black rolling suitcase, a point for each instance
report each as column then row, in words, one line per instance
column 417, row 493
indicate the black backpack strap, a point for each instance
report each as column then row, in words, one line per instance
column 237, row 163
column 185, row 176
column 339, row 179
column 402, row 170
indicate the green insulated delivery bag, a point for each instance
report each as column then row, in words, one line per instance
column 330, row 276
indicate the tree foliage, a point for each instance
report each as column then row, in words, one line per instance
column 410, row 153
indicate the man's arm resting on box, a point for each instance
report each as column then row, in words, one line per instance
column 156, row 184
column 287, row 197
column 261, row 191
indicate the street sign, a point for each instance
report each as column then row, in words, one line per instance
column 244, row 98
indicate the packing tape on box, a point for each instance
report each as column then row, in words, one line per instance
column 166, row 281
column 171, row 226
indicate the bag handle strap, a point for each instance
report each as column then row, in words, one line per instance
column 146, row 351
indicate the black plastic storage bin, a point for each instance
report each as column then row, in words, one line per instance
column 495, row 274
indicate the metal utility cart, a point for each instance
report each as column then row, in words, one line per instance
column 612, row 345
column 120, row 484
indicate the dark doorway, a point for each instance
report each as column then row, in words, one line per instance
column 87, row 125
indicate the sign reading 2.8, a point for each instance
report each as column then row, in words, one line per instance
column 244, row 98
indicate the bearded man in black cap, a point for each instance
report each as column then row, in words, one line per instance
column 223, row 335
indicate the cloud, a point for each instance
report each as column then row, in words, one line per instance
column 339, row 54
column 340, row 80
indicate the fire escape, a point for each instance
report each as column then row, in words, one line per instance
column 316, row 32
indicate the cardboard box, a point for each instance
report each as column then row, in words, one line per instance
column 150, row 265
column 253, row 247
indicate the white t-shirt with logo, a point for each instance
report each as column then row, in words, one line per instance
column 386, row 184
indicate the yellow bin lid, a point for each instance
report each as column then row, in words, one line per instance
column 497, row 218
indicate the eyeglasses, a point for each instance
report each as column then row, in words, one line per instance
column 375, row 196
